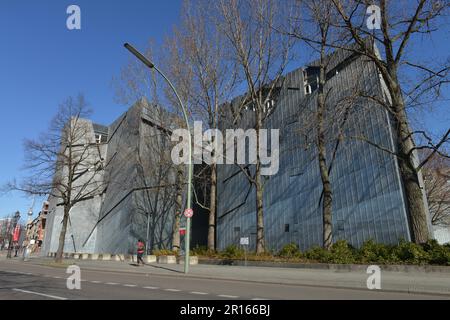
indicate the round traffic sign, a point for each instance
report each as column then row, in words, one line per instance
column 188, row 213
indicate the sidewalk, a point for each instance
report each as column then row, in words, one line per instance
column 412, row 282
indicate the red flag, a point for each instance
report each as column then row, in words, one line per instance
column 16, row 234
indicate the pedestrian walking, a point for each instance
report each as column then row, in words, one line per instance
column 16, row 248
column 140, row 252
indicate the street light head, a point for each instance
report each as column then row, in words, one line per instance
column 139, row 55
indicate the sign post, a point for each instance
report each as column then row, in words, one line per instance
column 245, row 242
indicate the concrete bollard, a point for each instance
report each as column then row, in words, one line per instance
column 106, row 257
column 85, row 256
column 76, row 256
column 167, row 259
column 119, row 257
column 131, row 257
column 192, row 260
column 150, row 259
column 94, row 256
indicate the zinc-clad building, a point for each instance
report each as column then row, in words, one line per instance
column 368, row 196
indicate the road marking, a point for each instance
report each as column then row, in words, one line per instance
column 55, row 277
column 40, row 294
column 130, row 285
column 153, row 288
column 259, row 299
column 95, row 281
column 111, row 283
column 172, row 290
column 197, row 292
column 227, row 296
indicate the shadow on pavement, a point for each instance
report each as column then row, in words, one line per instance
column 158, row 267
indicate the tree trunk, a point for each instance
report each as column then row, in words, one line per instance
column 326, row 183
column 212, row 209
column 178, row 208
column 322, row 156
column 414, row 196
column 62, row 235
column 260, row 243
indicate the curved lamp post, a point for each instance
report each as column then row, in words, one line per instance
column 189, row 199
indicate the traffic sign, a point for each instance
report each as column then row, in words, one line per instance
column 245, row 241
column 188, row 213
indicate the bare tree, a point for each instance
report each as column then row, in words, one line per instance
column 436, row 175
column 261, row 55
column 399, row 22
column 65, row 162
column 164, row 194
column 311, row 23
column 203, row 75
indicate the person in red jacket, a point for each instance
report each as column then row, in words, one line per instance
column 140, row 251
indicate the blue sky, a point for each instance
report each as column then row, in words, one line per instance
column 42, row 63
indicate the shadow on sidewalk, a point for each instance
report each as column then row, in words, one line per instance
column 158, row 267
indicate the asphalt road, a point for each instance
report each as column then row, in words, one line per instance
column 27, row 281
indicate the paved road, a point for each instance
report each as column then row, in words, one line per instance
column 20, row 280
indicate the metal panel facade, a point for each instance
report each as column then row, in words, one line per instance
column 368, row 200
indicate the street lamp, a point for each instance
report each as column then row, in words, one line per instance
column 10, row 246
column 189, row 198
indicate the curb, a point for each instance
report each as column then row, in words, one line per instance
column 326, row 266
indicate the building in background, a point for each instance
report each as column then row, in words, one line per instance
column 35, row 230
column 138, row 198
column 436, row 175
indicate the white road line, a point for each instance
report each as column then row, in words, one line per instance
column 55, row 277
column 172, row 290
column 111, row 283
column 130, row 285
column 95, row 281
column 152, row 288
column 40, row 294
column 227, row 296
column 259, row 299
column 197, row 292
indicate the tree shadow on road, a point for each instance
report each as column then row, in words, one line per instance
column 158, row 267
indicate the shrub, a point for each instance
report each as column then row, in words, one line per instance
column 233, row 252
column 371, row 251
column 290, row 251
column 165, row 252
column 202, row 251
column 437, row 254
column 318, row 254
column 410, row 253
column 342, row 252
